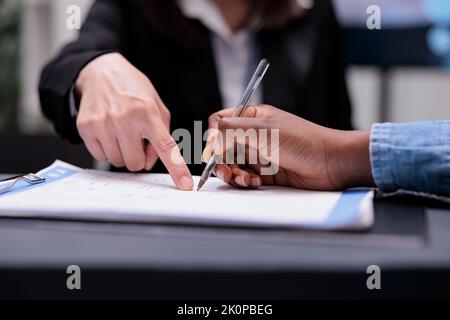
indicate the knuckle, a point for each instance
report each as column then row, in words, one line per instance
column 223, row 124
column 85, row 125
column 137, row 107
column 166, row 144
column 135, row 165
column 166, row 113
column 142, row 104
column 96, row 121
column 99, row 157
column 145, row 103
column 150, row 113
column 119, row 116
column 122, row 120
column 116, row 162
column 213, row 118
column 268, row 108
column 82, row 128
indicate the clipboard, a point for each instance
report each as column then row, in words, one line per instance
column 350, row 209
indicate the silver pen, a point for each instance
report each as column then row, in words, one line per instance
column 242, row 106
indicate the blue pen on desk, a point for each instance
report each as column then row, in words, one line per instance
column 242, row 106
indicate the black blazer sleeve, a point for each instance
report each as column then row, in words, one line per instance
column 330, row 62
column 100, row 34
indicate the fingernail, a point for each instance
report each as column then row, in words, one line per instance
column 186, row 183
column 241, row 181
column 220, row 175
column 255, row 182
column 206, row 155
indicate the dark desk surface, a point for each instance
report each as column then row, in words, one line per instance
column 155, row 261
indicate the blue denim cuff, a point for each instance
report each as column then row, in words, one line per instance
column 379, row 156
column 411, row 157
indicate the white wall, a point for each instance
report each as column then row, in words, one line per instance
column 35, row 44
column 59, row 31
column 43, row 32
column 420, row 94
column 364, row 87
column 414, row 94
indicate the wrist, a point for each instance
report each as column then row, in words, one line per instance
column 83, row 77
column 95, row 71
column 352, row 167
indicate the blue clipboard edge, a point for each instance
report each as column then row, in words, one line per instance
column 351, row 207
column 52, row 174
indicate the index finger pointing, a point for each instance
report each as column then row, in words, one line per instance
column 169, row 153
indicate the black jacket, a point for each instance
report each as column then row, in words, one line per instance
column 306, row 76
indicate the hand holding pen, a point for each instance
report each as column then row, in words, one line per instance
column 242, row 106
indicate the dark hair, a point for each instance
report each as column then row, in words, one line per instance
column 166, row 17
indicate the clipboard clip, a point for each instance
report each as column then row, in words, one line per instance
column 30, row 178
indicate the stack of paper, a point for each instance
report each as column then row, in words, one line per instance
column 73, row 193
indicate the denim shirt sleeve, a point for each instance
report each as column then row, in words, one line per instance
column 412, row 158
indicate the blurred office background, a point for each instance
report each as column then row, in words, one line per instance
column 399, row 73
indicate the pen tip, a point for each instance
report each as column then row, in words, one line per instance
column 200, row 184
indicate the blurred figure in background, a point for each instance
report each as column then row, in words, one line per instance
column 142, row 67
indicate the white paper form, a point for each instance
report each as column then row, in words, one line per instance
column 74, row 193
